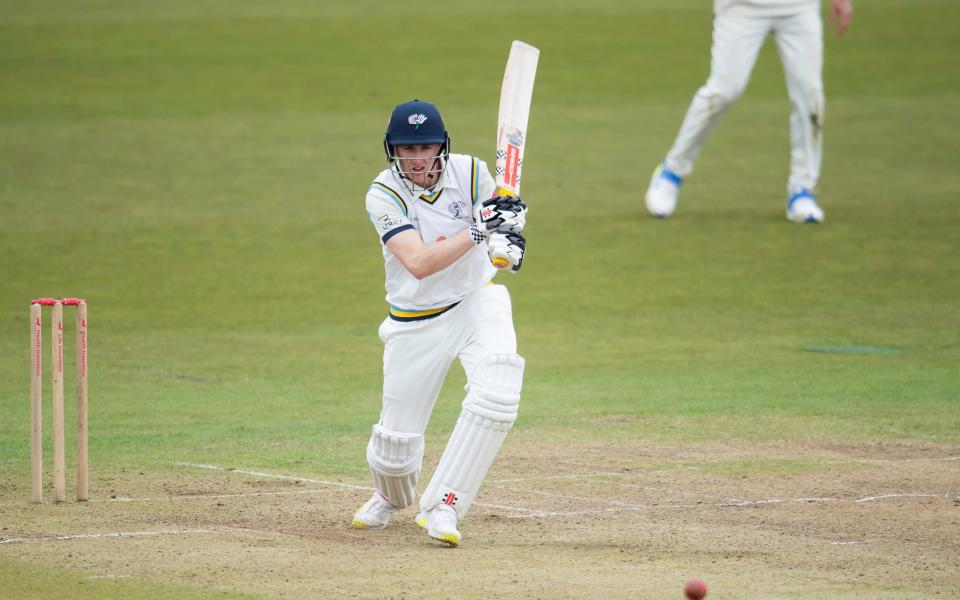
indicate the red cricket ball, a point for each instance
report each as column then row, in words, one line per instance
column 695, row 589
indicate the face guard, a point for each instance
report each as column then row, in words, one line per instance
column 413, row 123
column 435, row 167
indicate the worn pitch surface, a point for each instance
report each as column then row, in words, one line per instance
column 577, row 520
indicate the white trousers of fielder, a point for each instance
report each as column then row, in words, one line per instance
column 417, row 356
column 736, row 44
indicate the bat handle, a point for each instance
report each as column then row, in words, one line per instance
column 499, row 261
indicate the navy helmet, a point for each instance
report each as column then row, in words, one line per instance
column 415, row 122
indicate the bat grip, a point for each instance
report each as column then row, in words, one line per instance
column 499, row 261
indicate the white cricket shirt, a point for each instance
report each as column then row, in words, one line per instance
column 763, row 8
column 444, row 212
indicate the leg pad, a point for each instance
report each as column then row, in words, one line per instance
column 394, row 458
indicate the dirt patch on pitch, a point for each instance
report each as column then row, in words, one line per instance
column 553, row 521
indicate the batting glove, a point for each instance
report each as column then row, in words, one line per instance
column 510, row 245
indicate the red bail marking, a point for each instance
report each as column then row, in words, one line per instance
column 513, row 160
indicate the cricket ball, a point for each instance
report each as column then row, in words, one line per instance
column 695, row 589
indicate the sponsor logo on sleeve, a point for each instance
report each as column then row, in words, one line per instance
column 387, row 222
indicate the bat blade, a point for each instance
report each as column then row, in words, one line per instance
column 516, row 95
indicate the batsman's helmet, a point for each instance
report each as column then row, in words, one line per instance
column 416, row 122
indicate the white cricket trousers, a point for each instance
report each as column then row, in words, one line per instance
column 736, row 44
column 418, row 354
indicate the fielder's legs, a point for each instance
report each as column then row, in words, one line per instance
column 799, row 41
column 494, row 378
column 736, row 44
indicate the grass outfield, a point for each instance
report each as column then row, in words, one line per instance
column 196, row 171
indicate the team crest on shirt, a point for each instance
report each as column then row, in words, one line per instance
column 457, row 209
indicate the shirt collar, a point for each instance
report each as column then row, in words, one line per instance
column 447, row 180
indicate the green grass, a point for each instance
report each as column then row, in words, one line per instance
column 196, row 170
column 197, row 173
column 28, row 582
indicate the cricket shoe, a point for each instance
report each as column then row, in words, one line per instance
column 441, row 523
column 663, row 191
column 802, row 207
column 375, row 513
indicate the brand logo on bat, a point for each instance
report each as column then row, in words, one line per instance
column 516, row 138
column 511, row 170
column 417, row 119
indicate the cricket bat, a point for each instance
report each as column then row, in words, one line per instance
column 515, row 97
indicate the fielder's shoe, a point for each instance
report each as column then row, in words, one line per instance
column 440, row 523
column 375, row 513
column 662, row 193
column 802, row 207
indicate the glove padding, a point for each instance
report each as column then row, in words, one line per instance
column 509, row 245
column 501, row 213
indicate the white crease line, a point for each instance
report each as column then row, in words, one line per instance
column 668, row 490
column 322, row 482
column 731, row 504
column 275, row 476
column 850, row 543
column 567, row 496
column 531, row 512
column 502, row 507
column 884, row 496
column 735, row 502
column 554, row 477
column 118, row 534
column 210, row 496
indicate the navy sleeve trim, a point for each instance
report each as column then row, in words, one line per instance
column 394, row 232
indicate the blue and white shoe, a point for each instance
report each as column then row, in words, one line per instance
column 802, row 207
column 663, row 191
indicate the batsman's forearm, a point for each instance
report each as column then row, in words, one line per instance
column 437, row 256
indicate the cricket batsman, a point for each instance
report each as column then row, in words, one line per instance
column 739, row 30
column 440, row 223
